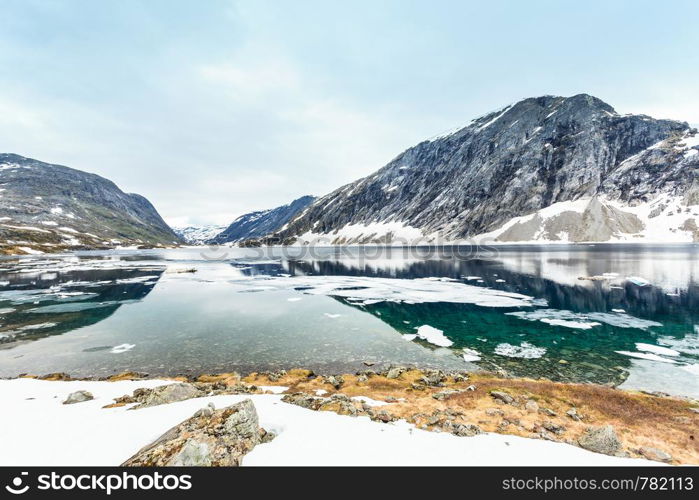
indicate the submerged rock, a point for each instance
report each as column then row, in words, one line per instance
column 209, row 438
column 78, row 397
column 601, row 440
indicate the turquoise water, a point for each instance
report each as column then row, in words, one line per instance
column 520, row 309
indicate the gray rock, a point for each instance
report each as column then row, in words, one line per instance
column 395, row 372
column 655, row 454
column 243, row 423
column 170, row 394
column 78, row 397
column 553, row 427
column 335, row 380
column 219, row 438
column 442, row 395
column 502, row 396
column 573, row 413
column 462, row 430
column 601, row 440
column 531, row 406
column 193, row 454
column 548, row 412
column 433, row 378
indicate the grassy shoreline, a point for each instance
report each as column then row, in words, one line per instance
column 648, row 425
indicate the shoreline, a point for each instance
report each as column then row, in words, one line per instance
column 464, row 404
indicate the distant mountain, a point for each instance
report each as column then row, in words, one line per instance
column 546, row 169
column 258, row 224
column 45, row 207
column 199, row 235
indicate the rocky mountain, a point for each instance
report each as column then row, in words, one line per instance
column 45, row 207
column 258, row 224
column 199, row 235
column 546, row 169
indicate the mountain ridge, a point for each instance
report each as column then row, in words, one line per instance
column 48, row 207
column 260, row 223
column 515, row 162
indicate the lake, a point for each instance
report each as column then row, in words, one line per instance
column 632, row 321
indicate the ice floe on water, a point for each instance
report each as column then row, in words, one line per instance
column 410, row 336
column 656, row 349
column 471, row 355
column 646, row 355
column 584, row 321
column 37, row 326
column 433, row 336
column 419, row 290
column 332, row 316
column 122, row 348
column 693, row 369
column 524, row 351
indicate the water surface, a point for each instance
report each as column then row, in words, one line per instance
column 521, row 309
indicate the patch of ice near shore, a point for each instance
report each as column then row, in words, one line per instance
column 395, row 290
column 433, row 336
column 471, row 355
column 693, row 369
column 524, row 351
column 656, row 349
column 646, row 355
column 122, row 348
column 584, row 321
column 87, row 434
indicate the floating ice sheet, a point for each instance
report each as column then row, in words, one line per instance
column 524, row 351
column 433, row 336
column 584, row 321
column 387, row 289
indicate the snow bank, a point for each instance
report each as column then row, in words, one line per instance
column 44, row 432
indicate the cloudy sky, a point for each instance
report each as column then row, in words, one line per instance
column 218, row 107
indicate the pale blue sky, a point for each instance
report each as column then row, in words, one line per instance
column 213, row 108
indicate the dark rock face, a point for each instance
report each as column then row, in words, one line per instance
column 514, row 162
column 59, row 207
column 263, row 223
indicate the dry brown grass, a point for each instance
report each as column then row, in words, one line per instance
column 641, row 420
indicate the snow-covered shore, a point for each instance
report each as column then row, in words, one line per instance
column 40, row 430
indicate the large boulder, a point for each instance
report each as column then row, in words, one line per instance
column 209, row 438
column 601, row 440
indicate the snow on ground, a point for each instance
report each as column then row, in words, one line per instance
column 41, row 431
column 357, row 233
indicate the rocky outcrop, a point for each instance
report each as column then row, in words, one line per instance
column 209, row 438
column 171, row 393
column 531, row 159
column 51, row 207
